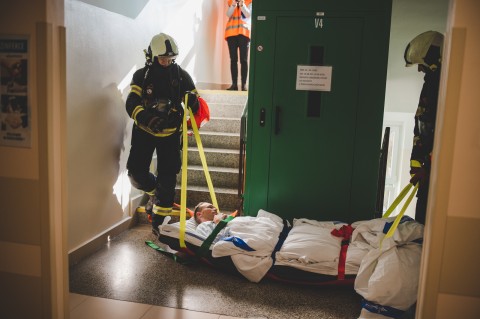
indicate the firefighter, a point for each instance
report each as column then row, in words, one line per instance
column 155, row 103
column 237, row 34
column 425, row 51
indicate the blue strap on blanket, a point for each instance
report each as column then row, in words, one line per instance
column 281, row 239
column 383, row 310
column 238, row 242
column 404, row 219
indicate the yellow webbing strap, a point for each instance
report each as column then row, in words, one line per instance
column 402, row 211
column 141, row 209
column 397, row 200
column 395, row 203
column 183, row 190
column 204, row 160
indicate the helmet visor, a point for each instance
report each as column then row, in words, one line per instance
column 165, row 60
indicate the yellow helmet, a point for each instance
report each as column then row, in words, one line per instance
column 425, row 49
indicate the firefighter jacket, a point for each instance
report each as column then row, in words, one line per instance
column 239, row 22
column 425, row 117
column 156, row 91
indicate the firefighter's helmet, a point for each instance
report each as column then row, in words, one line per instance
column 163, row 45
column 425, row 49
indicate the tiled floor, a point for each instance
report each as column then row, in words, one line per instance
column 129, row 279
column 86, row 307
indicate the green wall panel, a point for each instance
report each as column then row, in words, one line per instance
column 315, row 154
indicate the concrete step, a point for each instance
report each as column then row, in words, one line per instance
column 217, row 140
column 228, row 97
column 227, row 198
column 226, row 110
column 219, row 157
column 222, row 177
column 222, row 124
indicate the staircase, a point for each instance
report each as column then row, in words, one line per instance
column 221, row 144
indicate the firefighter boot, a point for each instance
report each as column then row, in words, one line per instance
column 149, row 207
column 157, row 220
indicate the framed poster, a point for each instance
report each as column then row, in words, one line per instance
column 15, row 126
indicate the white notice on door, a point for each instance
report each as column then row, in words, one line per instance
column 314, row 78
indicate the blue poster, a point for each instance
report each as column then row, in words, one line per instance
column 15, row 126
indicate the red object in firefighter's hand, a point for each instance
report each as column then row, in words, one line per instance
column 202, row 116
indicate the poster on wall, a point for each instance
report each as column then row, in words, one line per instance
column 314, row 78
column 15, row 126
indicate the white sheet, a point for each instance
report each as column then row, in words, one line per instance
column 191, row 234
column 388, row 275
column 310, row 246
column 260, row 233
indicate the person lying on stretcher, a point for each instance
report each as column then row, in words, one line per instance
column 206, row 212
column 207, row 217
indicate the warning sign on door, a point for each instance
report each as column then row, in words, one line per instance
column 314, row 78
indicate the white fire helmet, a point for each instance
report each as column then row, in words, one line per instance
column 425, row 49
column 163, row 45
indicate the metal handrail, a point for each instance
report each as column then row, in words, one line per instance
column 382, row 172
column 242, row 155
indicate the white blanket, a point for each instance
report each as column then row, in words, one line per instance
column 259, row 233
column 310, row 246
column 388, row 275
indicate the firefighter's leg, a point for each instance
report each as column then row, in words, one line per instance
column 243, row 48
column 168, row 166
column 422, row 200
column 138, row 164
column 233, row 50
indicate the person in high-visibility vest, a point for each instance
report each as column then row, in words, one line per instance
column 237, row 34
column 425, row 50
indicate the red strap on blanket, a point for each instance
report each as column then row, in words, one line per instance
column 345, row 232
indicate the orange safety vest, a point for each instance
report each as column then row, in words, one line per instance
column 236, row 24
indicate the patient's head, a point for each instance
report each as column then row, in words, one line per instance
column 204, row 212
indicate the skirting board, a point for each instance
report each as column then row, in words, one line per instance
column 98, row 242
column 89, row 247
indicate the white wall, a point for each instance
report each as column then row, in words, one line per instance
column 105, row 42
column 409, row 18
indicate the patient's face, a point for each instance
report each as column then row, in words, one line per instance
column 206, row 212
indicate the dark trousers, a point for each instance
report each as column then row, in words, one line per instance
column 236, row 44
column 422, row 201
column 168, row 164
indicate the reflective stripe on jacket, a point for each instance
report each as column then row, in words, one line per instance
column 238, row 23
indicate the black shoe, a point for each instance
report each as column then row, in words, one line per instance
column 233, row 88
column 244, row 87
column 156, row 232
column 157, row 220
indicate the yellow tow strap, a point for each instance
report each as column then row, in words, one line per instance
column 183, row 190
column 204, row 161
column 395, row 203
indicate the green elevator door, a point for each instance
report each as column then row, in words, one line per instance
column 313, row 138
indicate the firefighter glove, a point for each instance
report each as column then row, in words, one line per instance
column 418, row 174
column 156, row 124
column 192, row 101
